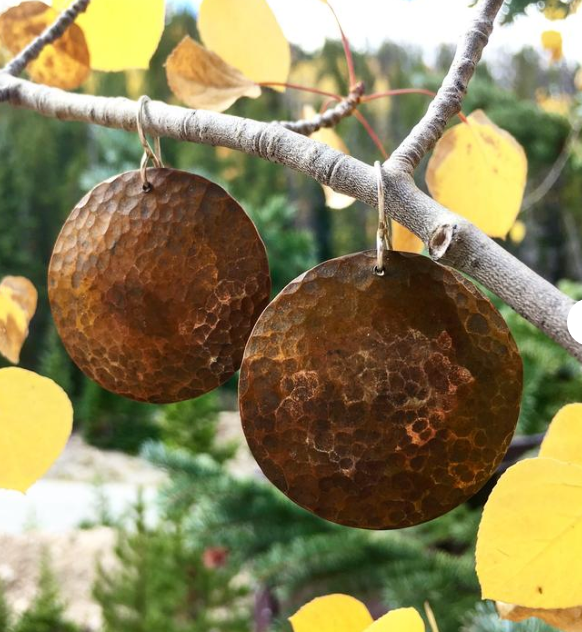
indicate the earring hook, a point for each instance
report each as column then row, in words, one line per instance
column 155, row 155
column 384, row 233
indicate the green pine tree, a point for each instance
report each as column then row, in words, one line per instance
column 162, row 582
column 5, row 612
column 192, row 425
column 47, row 611
column 54, row 361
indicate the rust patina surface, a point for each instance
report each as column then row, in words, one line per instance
column 155, row 294
column 380, row 402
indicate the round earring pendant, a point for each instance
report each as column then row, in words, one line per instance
column 380, row 402
column 155, row 294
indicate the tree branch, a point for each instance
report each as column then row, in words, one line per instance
column 466, row 248
column 48, row 36
column 451, row 239
column 449, row 98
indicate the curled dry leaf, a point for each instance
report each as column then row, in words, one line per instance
column 36, row 419
column 63, row 64
column 247, row 36
column 567, row 619
column 201, row 79
column 18, row 299
column 479, row 171
column 121, row 34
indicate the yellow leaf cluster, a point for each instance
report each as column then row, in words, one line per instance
column 342, row 613
column 552, row 42
column 111, row 35
column 64, row 64
column 479, row 171
column 120, row 34
column 36, row 419
column 18, row 299
column 531, row 530
column 557, row 10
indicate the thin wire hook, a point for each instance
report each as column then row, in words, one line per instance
column 155, row 154
column 384, row 234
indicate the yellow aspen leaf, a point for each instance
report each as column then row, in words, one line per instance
column 246, row 34
column 36, row 419
column 518, row 232
column 578, row 80
column 563, row 441
column 333, row 613
column 64, row 64
column 18, row 299
column 530, row 534
column 121, row 34
column 201, row 79
column 404, row 240
column 400, row 620
column 334, row 200
column 479, row 171
column 567, row 619
column 552, row 42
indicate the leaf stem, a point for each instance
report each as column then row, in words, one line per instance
column 371, row 133
column 295, row 86
column 347, row 49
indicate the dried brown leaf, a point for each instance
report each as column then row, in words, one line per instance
column 64, row 64
column 202, row 79
column 567, row 619
column 18, row 299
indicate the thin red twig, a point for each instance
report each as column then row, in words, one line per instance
column 396, row 92
column 365, row 123
column 347, row 49
column 294, row 86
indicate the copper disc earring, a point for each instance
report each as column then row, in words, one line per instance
column 380, row 390
column 156, row 281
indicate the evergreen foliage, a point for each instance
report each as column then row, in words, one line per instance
column 5, row 613
column 192, row 425
column 47, row 611
column 164, row 581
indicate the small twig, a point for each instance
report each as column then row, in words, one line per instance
column 447, row 103
column 48, row 36
column 532, row 198
column 331, row 117
column 347, row 50
column 295, row 86
column 371, row 133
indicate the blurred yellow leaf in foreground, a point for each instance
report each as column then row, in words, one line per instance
column 530, row 535
column 36, row 419
column 342, row 613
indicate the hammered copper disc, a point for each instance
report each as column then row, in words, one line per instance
column 380, row 402
column 155, row 294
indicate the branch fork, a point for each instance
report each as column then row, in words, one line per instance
column 450, row 238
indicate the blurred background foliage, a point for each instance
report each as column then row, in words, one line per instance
column 224, row 544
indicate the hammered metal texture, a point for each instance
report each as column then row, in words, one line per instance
column 155, row 294
column 380, row 402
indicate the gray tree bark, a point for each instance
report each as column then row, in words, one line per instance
column 451, row 239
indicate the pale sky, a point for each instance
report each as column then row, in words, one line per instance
column 425, row 23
